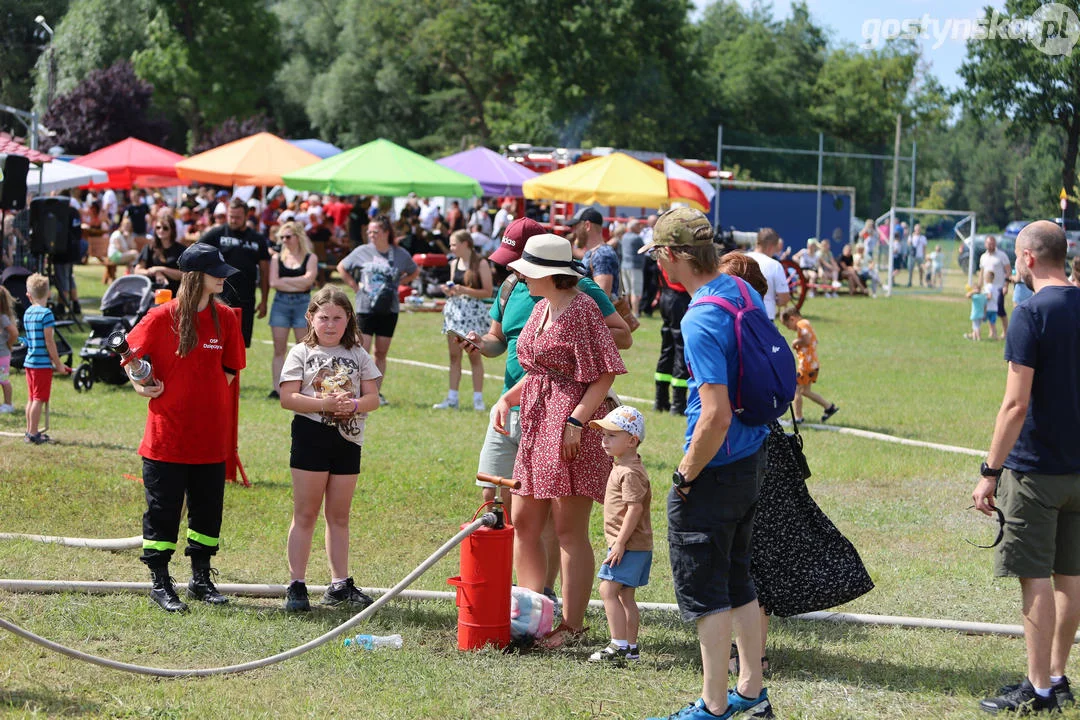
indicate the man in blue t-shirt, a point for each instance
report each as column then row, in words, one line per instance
column 508, row 316
column 601, row 262
column 712, row 504
column 1032, row 470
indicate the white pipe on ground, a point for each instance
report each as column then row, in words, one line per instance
column 103, row 544
column 277, row 591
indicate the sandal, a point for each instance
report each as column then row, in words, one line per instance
column 562, row 636
column 733, row 663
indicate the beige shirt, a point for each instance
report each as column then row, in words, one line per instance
column 628, row 484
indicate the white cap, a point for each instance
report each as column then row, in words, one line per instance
column 624, row 418
column 220, row 209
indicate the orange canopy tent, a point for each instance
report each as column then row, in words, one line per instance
column 260, row 159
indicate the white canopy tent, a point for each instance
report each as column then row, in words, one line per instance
column 891, row 216
column 60, row 175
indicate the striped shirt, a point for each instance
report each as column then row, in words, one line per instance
column 36, row 319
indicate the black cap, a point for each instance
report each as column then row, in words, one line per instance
column 204, row 258
column 587, row 213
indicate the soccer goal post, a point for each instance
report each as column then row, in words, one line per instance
column 893, row 240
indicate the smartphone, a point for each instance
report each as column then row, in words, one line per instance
column 461, row 337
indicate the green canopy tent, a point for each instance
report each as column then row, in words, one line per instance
column 381, row 168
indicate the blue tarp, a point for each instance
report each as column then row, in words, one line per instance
column 790, row 212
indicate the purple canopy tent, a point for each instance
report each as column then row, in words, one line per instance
column 496, row 174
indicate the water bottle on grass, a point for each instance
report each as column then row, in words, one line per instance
column 374, row 642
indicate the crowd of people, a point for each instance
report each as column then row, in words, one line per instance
column 557, row 426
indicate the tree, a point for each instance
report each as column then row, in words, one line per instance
column 106, row 107
column 1024, row 80
column 93, row 35
column 209, row 60
column 22, row 40
column 231, row 129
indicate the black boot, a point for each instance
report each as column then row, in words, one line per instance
column 678, row 400
column 163, row 592
column 662, row 403
column 201, row 586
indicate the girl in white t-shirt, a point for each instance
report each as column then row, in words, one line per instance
column 329, row 381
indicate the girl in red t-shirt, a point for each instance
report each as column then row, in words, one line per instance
column 196, row 349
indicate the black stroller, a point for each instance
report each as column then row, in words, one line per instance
column 14, row 281
column 122, row 306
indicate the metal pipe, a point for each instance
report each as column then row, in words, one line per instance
column 820, row 169
column 719, row 155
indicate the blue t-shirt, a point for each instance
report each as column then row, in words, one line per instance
column 519, row 307
column 36, row 319
column 1044, row 334
column 978, row 306
column 602, row 260
column 711, row 356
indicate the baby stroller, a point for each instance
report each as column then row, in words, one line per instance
column 14, row 281
column 122, row 306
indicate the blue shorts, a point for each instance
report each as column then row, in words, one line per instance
column 289, row 310
column 991, row 316
column 632, row 570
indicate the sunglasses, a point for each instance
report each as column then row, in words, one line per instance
column 285, row 236
column 161, row 227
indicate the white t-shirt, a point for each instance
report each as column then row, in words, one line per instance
column 109, row 204
column 326, row 370
column 774, row 276
column 918, row 243
column 428, row 213
column 995, row 263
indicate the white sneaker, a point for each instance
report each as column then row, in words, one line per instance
column 383, row 402
column 478, row 404
column 446, row 404
column 5, row 409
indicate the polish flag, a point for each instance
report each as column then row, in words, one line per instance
column 687, row 186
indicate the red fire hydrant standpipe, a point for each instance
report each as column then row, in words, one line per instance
column 483, row 587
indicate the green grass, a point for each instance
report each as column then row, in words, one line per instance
column 895, row 365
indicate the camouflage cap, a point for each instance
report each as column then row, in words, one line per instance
column 681, row 227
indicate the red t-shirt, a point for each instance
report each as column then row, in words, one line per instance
column 339, row 211
column 191, row 422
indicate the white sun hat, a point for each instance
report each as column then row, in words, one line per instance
column 546, row 255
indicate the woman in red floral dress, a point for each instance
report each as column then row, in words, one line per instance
column 570, row 361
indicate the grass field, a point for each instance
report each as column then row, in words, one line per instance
column 897, row 365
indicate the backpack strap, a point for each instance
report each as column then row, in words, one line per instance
column 505, row 290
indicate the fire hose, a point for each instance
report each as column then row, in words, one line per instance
column 486, row 520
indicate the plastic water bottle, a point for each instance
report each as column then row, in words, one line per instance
column 374, row 642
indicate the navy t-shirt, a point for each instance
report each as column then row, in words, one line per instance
column 1044, row 334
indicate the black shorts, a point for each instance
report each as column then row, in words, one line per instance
column 710, row 537
column 382, row 324
column 320, row 448
column 247, row 322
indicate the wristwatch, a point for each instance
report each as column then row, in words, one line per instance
column 987, row 471
column 679, row 480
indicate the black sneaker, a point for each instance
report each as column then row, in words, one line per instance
column 346, row 593
column 296, row 597
column 273, row 395
column 633, row 652
column 1021, row 699
column 829, row 412
column 1061, row 691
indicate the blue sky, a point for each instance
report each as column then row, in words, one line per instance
column 846, row 20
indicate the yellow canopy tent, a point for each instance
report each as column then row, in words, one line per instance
column 260, row 159
column 615, row 179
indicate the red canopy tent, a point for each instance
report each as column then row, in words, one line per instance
column 11, row 146
column 133, row 162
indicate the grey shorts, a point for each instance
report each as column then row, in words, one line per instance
column 633, row 279
column 1042, row 525
column 500, row 451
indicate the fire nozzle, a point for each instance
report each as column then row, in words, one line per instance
column 136, row 368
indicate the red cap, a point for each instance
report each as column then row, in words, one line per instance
column 513, row 240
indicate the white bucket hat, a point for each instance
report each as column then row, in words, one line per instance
column 546, row 255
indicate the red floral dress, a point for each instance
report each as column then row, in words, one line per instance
column 561, row 363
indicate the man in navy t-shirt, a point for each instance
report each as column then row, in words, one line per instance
column 1032, row 471
column 712, row 504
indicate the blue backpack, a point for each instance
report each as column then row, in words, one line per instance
column 765, row 379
